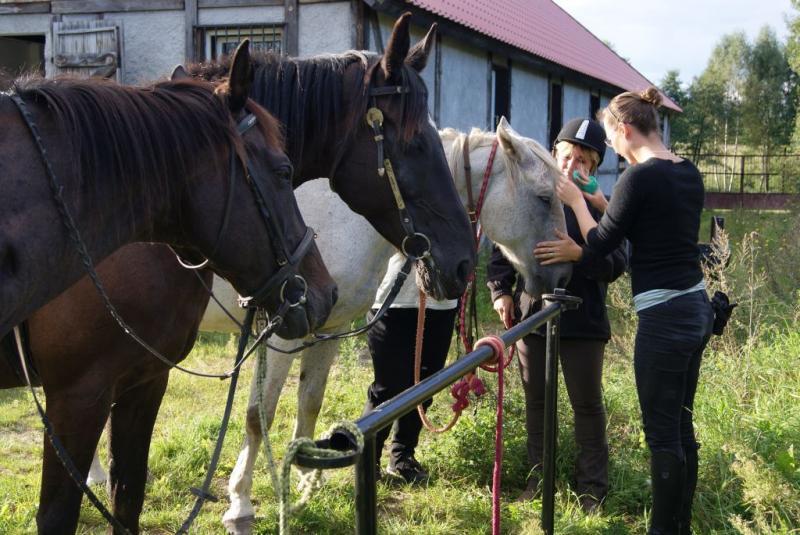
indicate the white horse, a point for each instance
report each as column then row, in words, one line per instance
column 520, row 209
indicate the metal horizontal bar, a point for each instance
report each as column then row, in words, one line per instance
column 385, row 413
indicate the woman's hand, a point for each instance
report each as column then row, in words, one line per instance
column 504, row 306
column 555, row 252
column 568, row 192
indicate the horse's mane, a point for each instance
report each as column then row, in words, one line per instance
column 480, row 138
column 148, row 137
column 313, row 97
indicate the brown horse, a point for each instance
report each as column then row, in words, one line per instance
column 321, row 102
column 132, row 165
column 89, row 368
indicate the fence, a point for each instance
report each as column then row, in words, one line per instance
column 749, row 173
column 407, row 401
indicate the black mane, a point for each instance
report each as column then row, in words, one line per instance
column 313, row 97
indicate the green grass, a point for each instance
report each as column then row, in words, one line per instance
column 747, row 417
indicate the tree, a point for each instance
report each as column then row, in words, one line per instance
column 672, row 86
column 793, row 58
column 770, row 94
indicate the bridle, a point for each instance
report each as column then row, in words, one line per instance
column 415, row 245
column 275, row 283
column 287, row 262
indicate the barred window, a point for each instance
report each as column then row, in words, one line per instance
column 223, row 40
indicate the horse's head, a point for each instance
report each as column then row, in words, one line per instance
column 521, row 207
column 256, row 236
column 393, row 126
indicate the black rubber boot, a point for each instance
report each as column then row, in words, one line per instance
column 690, row 483
column 668, row 473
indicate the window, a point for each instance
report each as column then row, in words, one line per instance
column 594, row 106
column 556, row 95
column 218, row 41
column 20, row 54
column 501, row 94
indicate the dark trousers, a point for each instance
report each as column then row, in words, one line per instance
column 582, row 366
column 669, row 345
column 391, row 346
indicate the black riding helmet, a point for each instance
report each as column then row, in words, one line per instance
column 585, row 132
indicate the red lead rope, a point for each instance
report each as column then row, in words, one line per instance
column 470, row 382
column 497, row 345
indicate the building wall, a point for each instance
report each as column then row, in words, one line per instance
column 529, row 91
column 143, row 33
column 464, row 86
column 325, row 28
column 240, row 15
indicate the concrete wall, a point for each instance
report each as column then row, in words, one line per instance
column 465, row 89
column 529, row 103
column 325, row 28
column 153, row 43
column 38, row 24
column 240, row 15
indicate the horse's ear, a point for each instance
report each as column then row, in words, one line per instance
column 397, row 49
column 418, row 56
column 240, row 78
column 179, row 73
column 509, row 140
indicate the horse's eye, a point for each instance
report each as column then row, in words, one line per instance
column 545, row 199
column 285, row 173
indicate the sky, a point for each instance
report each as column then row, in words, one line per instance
column 657, row 36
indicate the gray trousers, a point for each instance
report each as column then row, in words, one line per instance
column 582, row 365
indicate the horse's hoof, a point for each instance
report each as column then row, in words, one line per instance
column 239, row 526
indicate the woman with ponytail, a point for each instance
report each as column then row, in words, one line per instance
column 656, row 205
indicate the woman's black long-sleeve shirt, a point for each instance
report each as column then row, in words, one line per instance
column 590, row 278
column 657, row 206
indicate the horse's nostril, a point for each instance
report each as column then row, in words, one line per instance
column 463, row 270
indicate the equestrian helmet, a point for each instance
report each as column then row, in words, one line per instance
column 585, row 132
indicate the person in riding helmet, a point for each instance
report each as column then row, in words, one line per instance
column 579, row 150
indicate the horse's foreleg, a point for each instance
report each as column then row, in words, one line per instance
column 314, row 369
column 78, row 426
column 238, row 517
column 132, row 419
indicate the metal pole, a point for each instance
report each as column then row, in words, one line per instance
column 366, row 495
column 550, row 418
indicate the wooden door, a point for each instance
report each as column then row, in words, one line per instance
column 88, row 48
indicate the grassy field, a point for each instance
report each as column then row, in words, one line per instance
column 747, row 419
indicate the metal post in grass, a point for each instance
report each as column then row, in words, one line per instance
column 550, row 416
column 366, row 493
column 386, row 413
